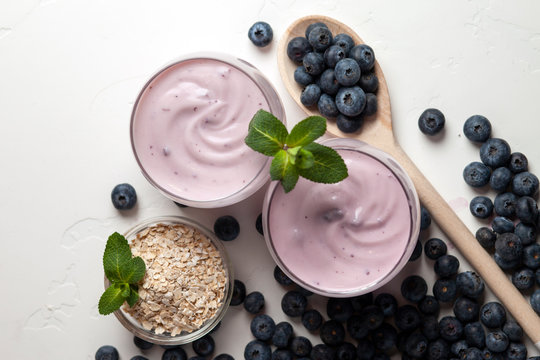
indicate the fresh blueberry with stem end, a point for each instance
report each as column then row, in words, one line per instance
column 297, row 48
column 516, row 351
column 204, row 346
column 282, row 354
column 477, row 128
column 523, row 279
column 387, row 303
column 450, row 328
column 430, row 327
column 459, row 347
column 339, row 309
column 364, row 56
column 500, row 178
column 322, row 352
column 407, row 318
column 531, row 256
column 224, row 356
column 512, row 329
column 414, row 288
column 518, row 162
column 257, row 350
column 365, row 349
column 333, row 54
column 344, row 41
column 178, row 353
column 505, row 204
column 346, row 351
column 527, row 210
column 361, row 301
column 470, row 284
column 509, row 247
column 260, row 34
column 349, row 124
column 369, row 82
column 425, row 218
column 486, row 237
column 313, row 63
column 371, row 105
column 434, row 248
column 347, row 72
column 302, row 77
column 525, row 184
column 373, row 316
column 356, row 327
column 438, row 350
column 481, row 207
column 474, row 334
column 506, row 264
column 384, row 337
column 313, row 26
column 328, row 83
column 141, row 343
column 492, row 315
column 351, row 101
column 310, row 95
column 502, row 224
column 429, row 305
column 262, row 327
column 293, row 303
column 281, row 277
column 258, row 224
column 417, row 251
column 416, row 345
column 476, row 174
column 327, row 106
column 466, row 309
column 446, row 265
column 226, row 228
column 282, row 334
column 495, row 152
column 312, row 319
column 332, row 333
column 445, row 289
column 473, row 353
column 239, row 293
column 254, row 302
column 431, row 122
column 123, row 196
column 300, row 346
column 107, row 352
column 320, row 38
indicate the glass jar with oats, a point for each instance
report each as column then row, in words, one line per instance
column 188, row 283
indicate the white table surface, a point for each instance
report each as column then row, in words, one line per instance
column 69, row 74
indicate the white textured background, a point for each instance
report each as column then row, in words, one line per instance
column 69, row 74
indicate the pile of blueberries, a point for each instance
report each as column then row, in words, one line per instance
column 511, row 236
column 337, row 75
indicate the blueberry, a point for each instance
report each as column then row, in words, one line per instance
column 239, row 293
column 310, row 95
column 434, row 248
column 333, row 54
column 513, row 330
column 282, row 354
column 141, row 343
column 481, row 207
column 446, row 265
column 516, row 351
column 369, row 82
column 387, row 303
column 509, row 247
column 384, row 337
column 260, row 34
column 523, row 279
column 371, row 105
column 302, row 77
column 262, row 327
column 350, row 101
column 531, row 256
column 502, row 224
column 327, row 106
column 254, row 302
column 312, row 319
column 361, row 301
column 470, row 284
column 450, row 328
column 123, row 197
column 226, row 228
column 526, row 210
column 500, row 178
column 495, row 152
column 438, row 350
column 322, row 352
column 257, row 350
column 476, row 174
column 281, row 277
column 328, row 82
column 349, row 124
column 506, row 264
column 373, row 316
column 535, row 300
column 445, row 289
column 313, row 63
column 459, row 347
column 223, row 356
column 417, row 251
column 293, row 303
column 493, row 315
column 204, row 346
column 407, row 318
column 416, row 345
column 297, row 48
column 486, row 237
column 303, row 291
column 313, row 26
column 466, row 309
column 429, row 305
column 282, row 334
column 344, row 41
column 474, row 334
column 357, row 327
column 300, row 346
column 473, row 353
column 339, row 309
column 525, row 184
column 332, row 333
column 347, row 72
column 518, row 162
column 107, row 352
column 430, row 327
column 431, row 121
column 477, row 128
column 425, row 218
column 364, row 56
column 177, row 353
column 365, row 350
column 414, row 288
column 505, row 204
column 320, row 38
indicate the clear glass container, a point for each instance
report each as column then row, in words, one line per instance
column 131, row 324
column 283, row 236
column 244, row 186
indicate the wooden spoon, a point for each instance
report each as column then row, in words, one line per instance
column 377, row 131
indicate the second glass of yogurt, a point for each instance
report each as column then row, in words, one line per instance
column 188, row 127
column 348, row 238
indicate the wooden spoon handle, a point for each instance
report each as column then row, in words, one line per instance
column 469, row 247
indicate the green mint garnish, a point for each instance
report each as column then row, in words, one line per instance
column 295, row 154
column 124, row 273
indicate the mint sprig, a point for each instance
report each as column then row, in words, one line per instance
column 124, row 273
column 295, row 154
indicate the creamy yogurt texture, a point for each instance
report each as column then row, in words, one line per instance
column 345, row 236
column 189, row 128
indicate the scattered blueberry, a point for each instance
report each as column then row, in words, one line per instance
column 387, row 303
column 430, row 327
column 414, row 288
column 282, row 334
column 450, row 328
column 312, row 319
column 297, row 48
column 495, row 152
column 262, row 327
column 281, row 277
column 481, row 207
column 445, row 289
column 254, row 302
column 504, row 263
column 334, row 54
column 475, row 334
column 226, row 228
column 526, row 210
column 459, row 347
column 364, row 56
column 470, row 284
column 417, row 251
column 516, row 351
column 407, row 318
column 434, row 248
column 446, row 265
column 508, row 246
column 204, row 346
column 486, row 237
column 438, row 350
column 260, row 34
column 492, row 315
column 429, row 305
column 416, row 345
column 293, row 303
column 239, row 293
column 349, row 124
column 371, row 104
column 141, row 343
column 282, row 354
column 257, row 350
column 502, row 224
column 107, row 352
column 518, row 162
column 365, row 349
column 523, row 279
column 477, row 128
column 476, row 174
column 344, row 41
column 320, row 38
column 373, row 316
column 322, row 352
column 313, row 63
column 300, row 346
column 513, row 330
column 369, row 82
column 123, row 197
column 332, row 333
column 310, row 95
column 466, row 309
column 327, row 106
column 313, row 26
column 425, row 218
column 347, row 72
column 302, row 77
column 328, row 83
column 431, row 121
column 350, row 101
column 384, row 337
column 505, row 204
column 500, row 179
column 535, row 300
column 531, row 256
column 473, row 353
column 177, row 353
column 339, row 309
column 356, row 327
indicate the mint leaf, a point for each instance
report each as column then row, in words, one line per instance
column 133, row 296
column 117, row 254
column 304, row 159
column 111, row 300
column 306, row 131
column 266, row 134
column 133, row 271
column 328, row 166
column 283, row 169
